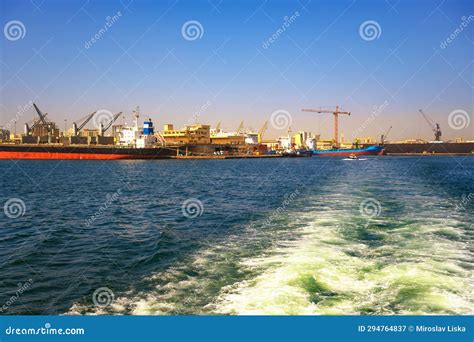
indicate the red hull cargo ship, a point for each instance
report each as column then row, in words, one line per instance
column 82, row 152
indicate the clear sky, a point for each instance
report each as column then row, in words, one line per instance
column 242, row 62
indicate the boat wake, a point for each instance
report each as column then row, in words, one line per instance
column 326, row 260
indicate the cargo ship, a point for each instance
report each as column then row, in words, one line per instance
column 434, row 147
column 367, row 151
column 83, row 152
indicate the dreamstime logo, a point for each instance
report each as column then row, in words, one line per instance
column 460, row 206
column 192, row 30
column 280, row 119
column 192, row 208
column 370, row 30
column 199, row 112
column 14, row 30
column 287, row 21
column 459, row 119
column 109, row 21
column 21, row 289
column 21, row 110
column 288, row 199
column 102, row 116
column 370, row 208
column 377, row 110
column 464, row 23
column 109, row 200
column 14, row 208
column 103, row 296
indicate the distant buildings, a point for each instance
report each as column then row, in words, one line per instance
column 194, row 134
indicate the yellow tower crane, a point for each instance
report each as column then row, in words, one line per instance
column 336, row 114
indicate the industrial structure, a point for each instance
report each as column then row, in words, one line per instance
column 434, row 125
column 336, row 114
column 109, row 140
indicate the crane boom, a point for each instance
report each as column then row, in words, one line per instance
column 241, row 127
column 434, row 125
column 41, row 120
column 105, row 128
column 81, row 126
column 384, row 136
column 36, row 123
column 86, row 121
column 336, row 114
column 40, row 114
column 427, row 119
column 262, row 131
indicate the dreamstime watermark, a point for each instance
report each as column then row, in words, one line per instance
column 370, row 30
column 288, row 199
column 459, row 119
column 103, row 296
column 14, row 208
column 14, row 30
column 203, row 108
column 192, row 30
column 377, row 110
column 370, row 208
column 21, row 289
column 199, row 112
column 280, row 119
column 102, row 117
column 460, row 206
column 20, row 111
column 192, row 208
column 464, row 23
column 109, row 22
column 46, row 330
column 110, row 198
column 287, row 21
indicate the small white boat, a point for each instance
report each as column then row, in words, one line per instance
column 354, row 157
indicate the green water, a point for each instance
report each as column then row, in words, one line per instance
column 291, row 236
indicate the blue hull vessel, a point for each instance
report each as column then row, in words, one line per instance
column 367, row 151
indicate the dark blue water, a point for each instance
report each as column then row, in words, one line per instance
column 282, row 236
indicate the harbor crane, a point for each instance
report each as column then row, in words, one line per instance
column 262, row 131
column 42, row 120
column 218, row 127
column 241, row 127
column 384, row 136
column 35, row 123
column 336, row 114
column 107, row 126
column 76, row 129
column 434, row 125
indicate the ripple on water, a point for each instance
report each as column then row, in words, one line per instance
column 331, row 271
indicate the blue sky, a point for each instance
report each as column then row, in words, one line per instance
column 226, row 74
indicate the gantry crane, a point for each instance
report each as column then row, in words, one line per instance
column 434, row 125
column 105, row 128
column 384, row 136
column 76, row 129
column 261, row 132
column 336, row 114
